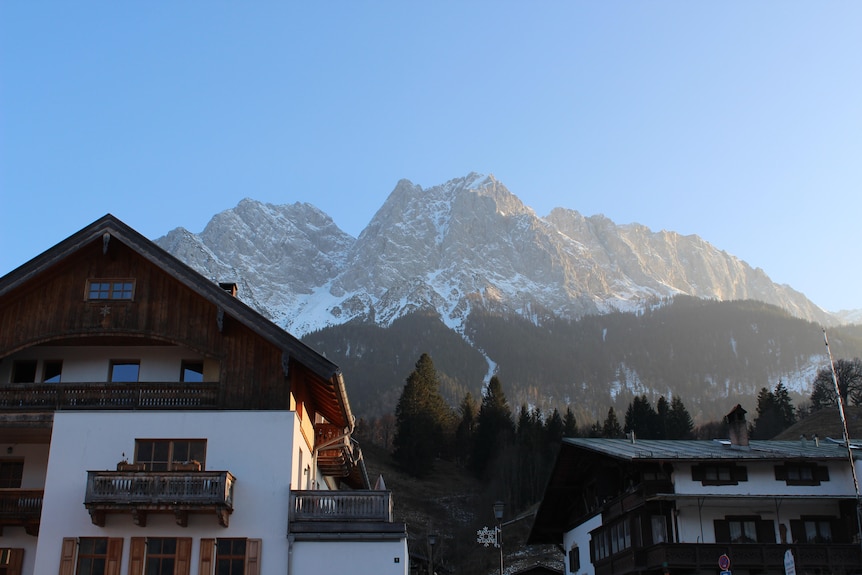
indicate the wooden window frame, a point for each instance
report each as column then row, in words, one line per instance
column 792, row 473
column 191, row 365
column 735, row 473
column 115, row 362
column 110, row 289
column 171, row 462
column 52, row 362
column 69, row 555
column 9, row 465
column 764, row 529
column 138, row 555
column 209, row 556
column 14, row 375
column 13, row 559
column 574, row 557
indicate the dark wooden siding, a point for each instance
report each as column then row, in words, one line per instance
column 52, row 308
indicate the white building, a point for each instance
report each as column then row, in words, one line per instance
column 150, row 422
column 665, row 507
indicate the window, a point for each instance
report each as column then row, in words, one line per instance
column 24, row 371
column 801, row 473
column 744, row 529
column 611, row 540
column 817, row 529
column 574, row 559
column 192, row 371
column 160, row 556
column 719, row 473
column 230, row 556
column 11, row 561
column 125, row 371
column 91, row 555
column 11, row 473
column 659, row 528
column 111, row 289
column 51, row 371
column 164, row 454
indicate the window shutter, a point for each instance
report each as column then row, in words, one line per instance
column 739, row 473
column 115, row 556
column 722, row 531
column 206, row 566
column 252, row 556
column 67, row 556
column 821, row 473
column 16, row 559
column 183, row 564
column 765, row 531
column 697, row 473
column 780, row 473
column 797, row 531
column 137, row 553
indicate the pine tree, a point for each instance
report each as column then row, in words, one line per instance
column 679, row 422
column 662, row 409
column 494, row 427
column 775, row 412
column 466, row 428
column 421, row 418
column 642, row 419
column 570, row 424
column 611, row 427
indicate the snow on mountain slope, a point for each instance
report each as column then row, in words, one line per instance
column 451, row 246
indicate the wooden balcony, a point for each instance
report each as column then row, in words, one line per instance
column 343, row 515
column 149, row 395
column 21, row 508
column 703, row 557
column 143, row 492
column 335, row 457
column 341, row 506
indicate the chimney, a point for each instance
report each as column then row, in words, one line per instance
column 229, row 287
column 738, row 428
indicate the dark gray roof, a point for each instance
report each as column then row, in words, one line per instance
column 701, row 450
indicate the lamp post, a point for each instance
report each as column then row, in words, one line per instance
column 498, row 515
column 432, row 541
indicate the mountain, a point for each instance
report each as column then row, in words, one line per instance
column 568, row 310
column 451, row 247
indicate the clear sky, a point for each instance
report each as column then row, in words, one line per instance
column 740, row 122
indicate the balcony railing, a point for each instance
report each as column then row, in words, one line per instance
column 149, row 395
column 703, row 557
column 140, row 492
column 341, row 506
column 21, row 507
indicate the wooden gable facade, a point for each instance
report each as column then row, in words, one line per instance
column 45, row 302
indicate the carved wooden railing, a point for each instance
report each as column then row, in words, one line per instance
column 155, row 395
column 21, row 507
column 144, row 491
column 703, row 557
column 341, row 506
column 335, row 456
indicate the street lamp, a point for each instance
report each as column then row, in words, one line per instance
column 498, row 515
column 432, row 541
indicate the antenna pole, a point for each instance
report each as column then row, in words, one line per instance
column 846, row 438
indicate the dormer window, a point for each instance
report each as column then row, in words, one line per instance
column 111, row 289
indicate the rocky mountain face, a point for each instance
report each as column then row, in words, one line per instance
column 450, row 247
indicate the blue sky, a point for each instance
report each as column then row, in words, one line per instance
column 740, row 122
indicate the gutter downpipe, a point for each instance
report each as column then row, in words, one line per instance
column 846, row 440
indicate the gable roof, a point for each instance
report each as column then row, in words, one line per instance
column 705, row 450
column 330, row 395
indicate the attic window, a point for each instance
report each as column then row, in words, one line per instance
column 111, row 289
column 719, row 473
column 801, row 473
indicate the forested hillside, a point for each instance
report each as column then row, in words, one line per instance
column 709, row 353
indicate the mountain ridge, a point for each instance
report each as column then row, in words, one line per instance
column 449, row 246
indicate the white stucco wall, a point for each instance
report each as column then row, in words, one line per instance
column 256, row 447
column 354, row 557
column 580, row 536
column 92, row 363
